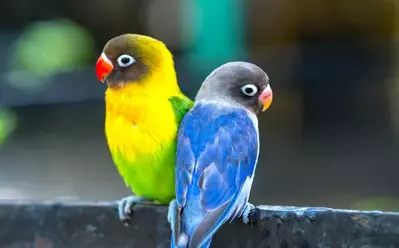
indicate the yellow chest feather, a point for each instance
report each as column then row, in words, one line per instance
column 140, row 125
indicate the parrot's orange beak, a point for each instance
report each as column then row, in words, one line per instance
column 266, row 97
column 103, row 67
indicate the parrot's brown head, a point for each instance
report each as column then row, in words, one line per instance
column 132, row 58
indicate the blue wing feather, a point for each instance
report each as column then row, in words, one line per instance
column 216, row 154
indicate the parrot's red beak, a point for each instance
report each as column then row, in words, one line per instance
column 103, row 67
column 266, row 97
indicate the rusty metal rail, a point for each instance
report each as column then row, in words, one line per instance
column 95, row 225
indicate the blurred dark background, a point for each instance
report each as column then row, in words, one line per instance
column 329, row 139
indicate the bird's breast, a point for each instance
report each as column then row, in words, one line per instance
column 139, row 126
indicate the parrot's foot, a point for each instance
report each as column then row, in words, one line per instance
column 125, row 207
column 172, row 210
column 246, row 215
column 179, row 239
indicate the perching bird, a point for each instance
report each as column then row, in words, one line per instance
column 217, row 151
column 144, row 106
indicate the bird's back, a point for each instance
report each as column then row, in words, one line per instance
column 217, row 151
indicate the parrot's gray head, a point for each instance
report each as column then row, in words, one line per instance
column 238, row 83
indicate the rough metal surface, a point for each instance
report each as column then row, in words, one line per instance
column 86, row 225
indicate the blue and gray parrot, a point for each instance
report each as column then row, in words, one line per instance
column 217, row 152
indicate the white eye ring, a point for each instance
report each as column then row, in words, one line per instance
column 249, row 89
column 125, row 60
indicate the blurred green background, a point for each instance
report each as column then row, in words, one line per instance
column 329, row 139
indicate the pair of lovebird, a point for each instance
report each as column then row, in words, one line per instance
column 200, row 157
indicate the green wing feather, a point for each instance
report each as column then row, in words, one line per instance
column 180, row 104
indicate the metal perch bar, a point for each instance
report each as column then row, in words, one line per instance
column 96, row 225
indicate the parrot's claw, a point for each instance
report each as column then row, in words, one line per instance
column 246, row 215
column 125, row 207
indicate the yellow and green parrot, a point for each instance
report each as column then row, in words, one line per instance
column 144, row 107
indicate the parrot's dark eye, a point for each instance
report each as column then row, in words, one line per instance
column 125, row 60
column 249, row 89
